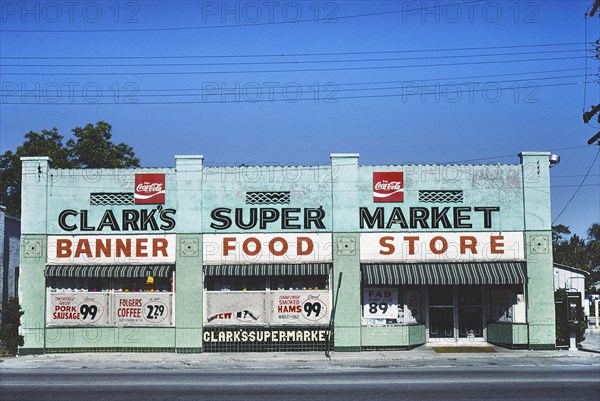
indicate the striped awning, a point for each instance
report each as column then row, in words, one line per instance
column 109, row 270
column 271, row 269
column 444, row 273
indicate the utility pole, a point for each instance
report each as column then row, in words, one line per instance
column 594, row 8
column 588, row 115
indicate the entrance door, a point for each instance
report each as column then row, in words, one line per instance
column 441, row 322
column 455, row 312
column 470, row 322
column 441, row 312
column 470, row 311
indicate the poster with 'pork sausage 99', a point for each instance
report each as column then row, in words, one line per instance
column 78, row 309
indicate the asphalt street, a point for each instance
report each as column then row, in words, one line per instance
column 556, row 382
column 418, row 374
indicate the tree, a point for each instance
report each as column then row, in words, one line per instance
column 594, row 250
column 91, row 147
column 575, row 251
column 10, row 338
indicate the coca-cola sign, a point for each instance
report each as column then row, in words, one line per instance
column 388, row 186
column 149, row 189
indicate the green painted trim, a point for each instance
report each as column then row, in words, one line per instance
column 510, row 346
column 388, row 337
column 188, row 350
column 542, row 347
column 389, row 348
column 108, row 349
column 31, row 351
column 346, row 349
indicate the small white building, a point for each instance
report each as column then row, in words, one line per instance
column 573, row 280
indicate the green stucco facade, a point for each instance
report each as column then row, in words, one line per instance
column 303, row 218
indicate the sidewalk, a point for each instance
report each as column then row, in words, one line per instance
column 591, row 340
column 423, row 356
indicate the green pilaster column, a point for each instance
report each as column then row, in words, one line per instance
column 538, row 250
column 346, row 255
column 189, row 279
column 34, row 222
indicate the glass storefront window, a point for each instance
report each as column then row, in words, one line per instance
column 441, row 295
column 390, row 306
column 105, row 284
column 469, row 295
column 502, row 300
column 236, row 283
column 299, row 283
column 262, row 283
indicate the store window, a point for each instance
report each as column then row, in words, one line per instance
column 110, row 295
column 262, row 283
column 279, row 300
column 507, row 304
column 106, row 284
column 391, row 306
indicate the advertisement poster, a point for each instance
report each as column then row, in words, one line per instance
column 233, row 308
column 300, row 307
column 388, row 186
column 143, row 309
column 380, row 303
column 78, row 309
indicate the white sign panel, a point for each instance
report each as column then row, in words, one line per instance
column 78, row 309
column 143, row 309
column 380, row 303
column 108, row 249
column 227, row 308
column 300, row 307
column 442, row 246
column 264, row 248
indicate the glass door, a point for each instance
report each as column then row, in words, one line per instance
column 441, row 322
column 470, row 311
column 441, row 312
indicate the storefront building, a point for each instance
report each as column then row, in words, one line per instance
column 201, row 258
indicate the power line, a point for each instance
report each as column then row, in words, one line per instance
column 322, row 100
column 327, row 86
column 578, row 188
column 224, row 26
column 288, row 70
column 511, row 155
column 290, row 54
column 295, row 61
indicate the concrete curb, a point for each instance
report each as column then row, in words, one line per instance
column 425, row 358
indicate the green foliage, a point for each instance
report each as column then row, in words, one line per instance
column 10, row 338
column 91, row 147
column 577, row 252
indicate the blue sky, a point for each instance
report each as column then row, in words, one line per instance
column 290, row 82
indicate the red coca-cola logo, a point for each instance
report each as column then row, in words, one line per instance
column 149, row 189
column 388, row 186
